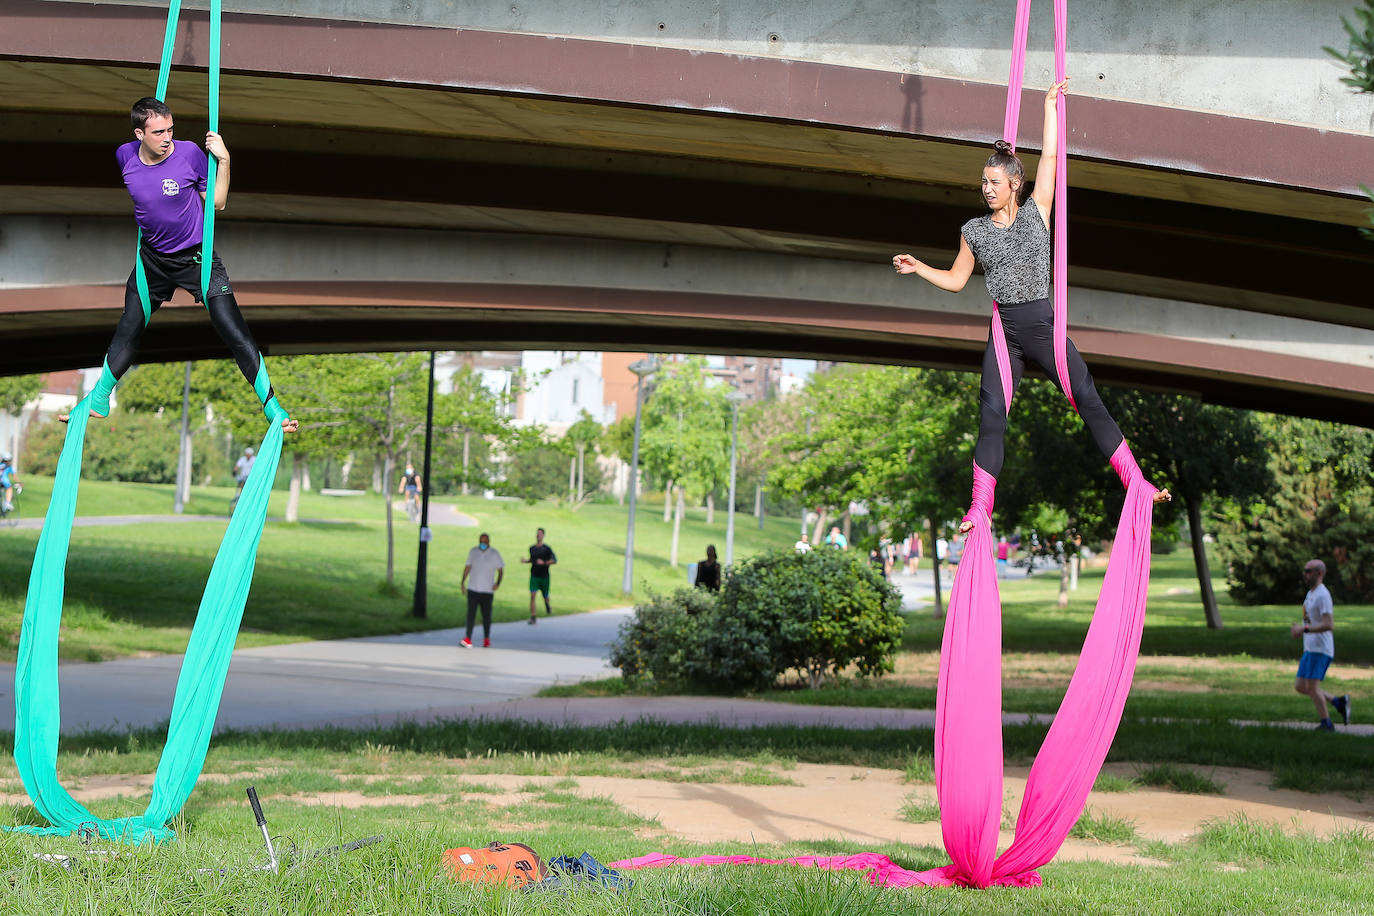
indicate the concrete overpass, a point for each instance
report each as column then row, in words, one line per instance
column 708, row 176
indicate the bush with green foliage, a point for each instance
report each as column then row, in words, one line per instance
column 654, row 646
column 1322, row 507
column 817, row 613
column 824, row 609
column 132, row 446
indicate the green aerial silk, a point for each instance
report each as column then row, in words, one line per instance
column 201, row 683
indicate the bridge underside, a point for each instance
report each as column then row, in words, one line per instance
column 399, row 128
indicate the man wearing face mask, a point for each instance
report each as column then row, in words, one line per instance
column 487, row 570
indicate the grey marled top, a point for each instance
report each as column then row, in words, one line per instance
column 1016, row 260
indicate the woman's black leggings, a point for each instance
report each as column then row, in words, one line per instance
column 1029, row 329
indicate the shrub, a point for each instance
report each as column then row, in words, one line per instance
column 817, row 612
column 822, row 610
column 132, row 446
column 653, row 646
column 1265, row 555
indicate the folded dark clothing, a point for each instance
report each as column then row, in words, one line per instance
column 566, row 872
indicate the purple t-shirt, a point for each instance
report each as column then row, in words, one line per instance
column 167, row 202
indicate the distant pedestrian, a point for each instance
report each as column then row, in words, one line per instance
column 1318, row 646
column 956, row 550
column 487, row 570
column 243, row 467
column 877, row 561
column 540, row 559
column 1003, row 553
column 708, row 571
column 836, row 538
column 914, row 547
column 803, row 545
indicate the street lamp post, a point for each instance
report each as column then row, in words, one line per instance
column 734, row 397
column 642, row 369
column 808, row 438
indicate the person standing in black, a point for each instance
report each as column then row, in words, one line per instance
column 540, row 559
column 708, row 571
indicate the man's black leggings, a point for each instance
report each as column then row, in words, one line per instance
column 480, row 600
column 165, row 273
column 1029, row 329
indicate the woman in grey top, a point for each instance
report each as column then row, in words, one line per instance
column 1012, row 243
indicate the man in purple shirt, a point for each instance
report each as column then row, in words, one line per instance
column 167, row 181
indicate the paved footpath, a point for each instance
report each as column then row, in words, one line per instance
column 426, row 677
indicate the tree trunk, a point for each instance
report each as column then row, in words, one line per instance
column 1204, row 572
column 389, row 459
column 821, row 514
column 846, row 523
column 758, row 505
column 677, row 528
column 668, row 502
column 581, row 470
column 293, row 495
column 305, row 478
column 710, row 508
column 390, row 536
column 467, row 440
column 346, row 471
column 935, row 560
column 1064, row 579
column 381, row 467
column 183, row 482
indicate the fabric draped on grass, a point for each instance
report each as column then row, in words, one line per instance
column 206, row 664
column 968, row 725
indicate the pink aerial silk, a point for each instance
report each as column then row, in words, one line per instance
column 968, row 713
column 968, row 719
column 881, row 871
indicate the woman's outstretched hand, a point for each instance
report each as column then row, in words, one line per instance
column 905, row 264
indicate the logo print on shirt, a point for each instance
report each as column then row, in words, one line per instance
column 170, row 187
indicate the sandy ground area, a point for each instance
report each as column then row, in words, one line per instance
column 860, row 805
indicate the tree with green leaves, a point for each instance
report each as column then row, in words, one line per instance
column 15, row 392
column 1206, row 452
column 1321, row 505
column 686, row 434
column 581, row 436
column 899, row 440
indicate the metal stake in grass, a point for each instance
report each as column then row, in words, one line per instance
column 262, row 825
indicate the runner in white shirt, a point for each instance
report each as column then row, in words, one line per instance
column 1318, row 647
column 487, row 569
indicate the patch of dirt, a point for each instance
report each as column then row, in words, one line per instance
column 858, row 804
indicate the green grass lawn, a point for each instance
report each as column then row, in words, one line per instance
column 1233, row 866
column 1243, row 671
column 134, row 589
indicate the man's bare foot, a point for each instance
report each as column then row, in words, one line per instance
column 290, row 425
column 1163, row 496
column 64, row 417
column 966, row 526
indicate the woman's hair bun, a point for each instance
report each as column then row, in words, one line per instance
column 1004, row 148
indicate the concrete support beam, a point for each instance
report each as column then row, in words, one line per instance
column 326, row 288
column 1257, row 58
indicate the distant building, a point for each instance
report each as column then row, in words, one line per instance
column 558, row 386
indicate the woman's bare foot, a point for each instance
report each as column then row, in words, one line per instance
column 966, row 526
column 1163, row 496
column 290, row 425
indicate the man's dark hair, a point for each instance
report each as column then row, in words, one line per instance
column 145, row 108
